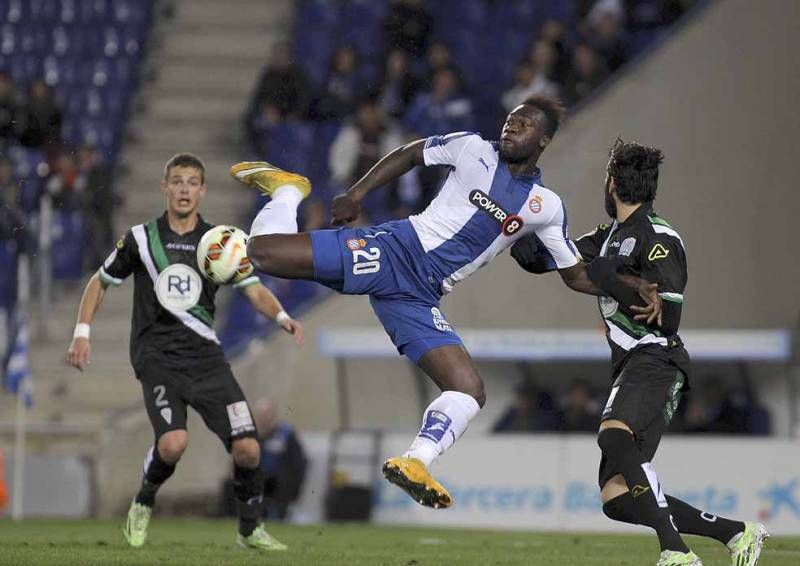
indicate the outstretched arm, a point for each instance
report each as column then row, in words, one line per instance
column 347, row 207
column 600, row 278
column 79, row 352
column 265, row 302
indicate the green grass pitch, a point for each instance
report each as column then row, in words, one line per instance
column 198, row 542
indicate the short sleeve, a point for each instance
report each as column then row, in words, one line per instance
column 589, row 245
column 120, row 262
column 247, row 282
column 553, row 236
column 446, row 150
column 662, row 260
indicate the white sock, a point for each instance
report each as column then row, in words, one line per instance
column 279, row 215
column 444, row 421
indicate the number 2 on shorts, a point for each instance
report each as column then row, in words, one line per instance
column 160, row 391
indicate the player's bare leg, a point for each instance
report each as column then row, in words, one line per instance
column 444, row 421
column 282, row 255
column 159, row 465
column 274, row 246
column 248, row 486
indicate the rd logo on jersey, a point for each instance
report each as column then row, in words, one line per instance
column 178, row 287
column 509, row 223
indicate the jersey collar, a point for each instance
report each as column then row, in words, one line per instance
column 163, row 224
column 535, row 177
column 638, row 215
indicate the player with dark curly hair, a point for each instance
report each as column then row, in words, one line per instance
column 650, row 364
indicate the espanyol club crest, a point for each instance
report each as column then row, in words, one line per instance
column 354, row 244
column 535, row 204
column 178, row 287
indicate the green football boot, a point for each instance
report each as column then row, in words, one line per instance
column 746, row 546
column 260, row 539
column 673, row 558
column 135, row 529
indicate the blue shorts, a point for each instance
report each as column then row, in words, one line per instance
column 387, row 263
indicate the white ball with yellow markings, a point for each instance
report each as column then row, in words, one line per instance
column 222, row 255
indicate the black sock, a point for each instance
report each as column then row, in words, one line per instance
column 648, row 505
column 689, row 520
column 156, row 472
column 248, row 486
column 695, row 522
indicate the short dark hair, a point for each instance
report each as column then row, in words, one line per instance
column 185, row 160
column 634, row 168
column 551, row 107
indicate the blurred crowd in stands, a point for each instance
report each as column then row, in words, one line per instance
column 712, row 406
column 360, row 78
column 67, row 72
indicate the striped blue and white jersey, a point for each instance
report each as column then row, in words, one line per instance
column 482, row 209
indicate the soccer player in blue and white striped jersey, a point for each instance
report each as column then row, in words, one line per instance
column 493, row 195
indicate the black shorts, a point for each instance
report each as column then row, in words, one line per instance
column 644, row 396
column 210, row 390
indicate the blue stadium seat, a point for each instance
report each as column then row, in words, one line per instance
column 30, row 193
column 362, row 26
column 44, row 10
column 8, row 274
column 319, row 13
column 16, row 11
column 67, row 257
column 313, row 50
column 288, row 145
column 26, row 160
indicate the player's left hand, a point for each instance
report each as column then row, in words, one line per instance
column 294, row 328
column 652, row 311
column 345, row 208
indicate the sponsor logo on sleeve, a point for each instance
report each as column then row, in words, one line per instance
column 509, row 223
column 658, row 252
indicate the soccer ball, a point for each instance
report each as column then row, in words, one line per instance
column 222, row 255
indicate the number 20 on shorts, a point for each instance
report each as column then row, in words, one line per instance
column 366, row 261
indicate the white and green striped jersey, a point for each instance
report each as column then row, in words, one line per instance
column 173, row 304
column 648, row 247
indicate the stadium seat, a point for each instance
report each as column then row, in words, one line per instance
column 68, row 231
column 8, row 274
column 288, row 145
